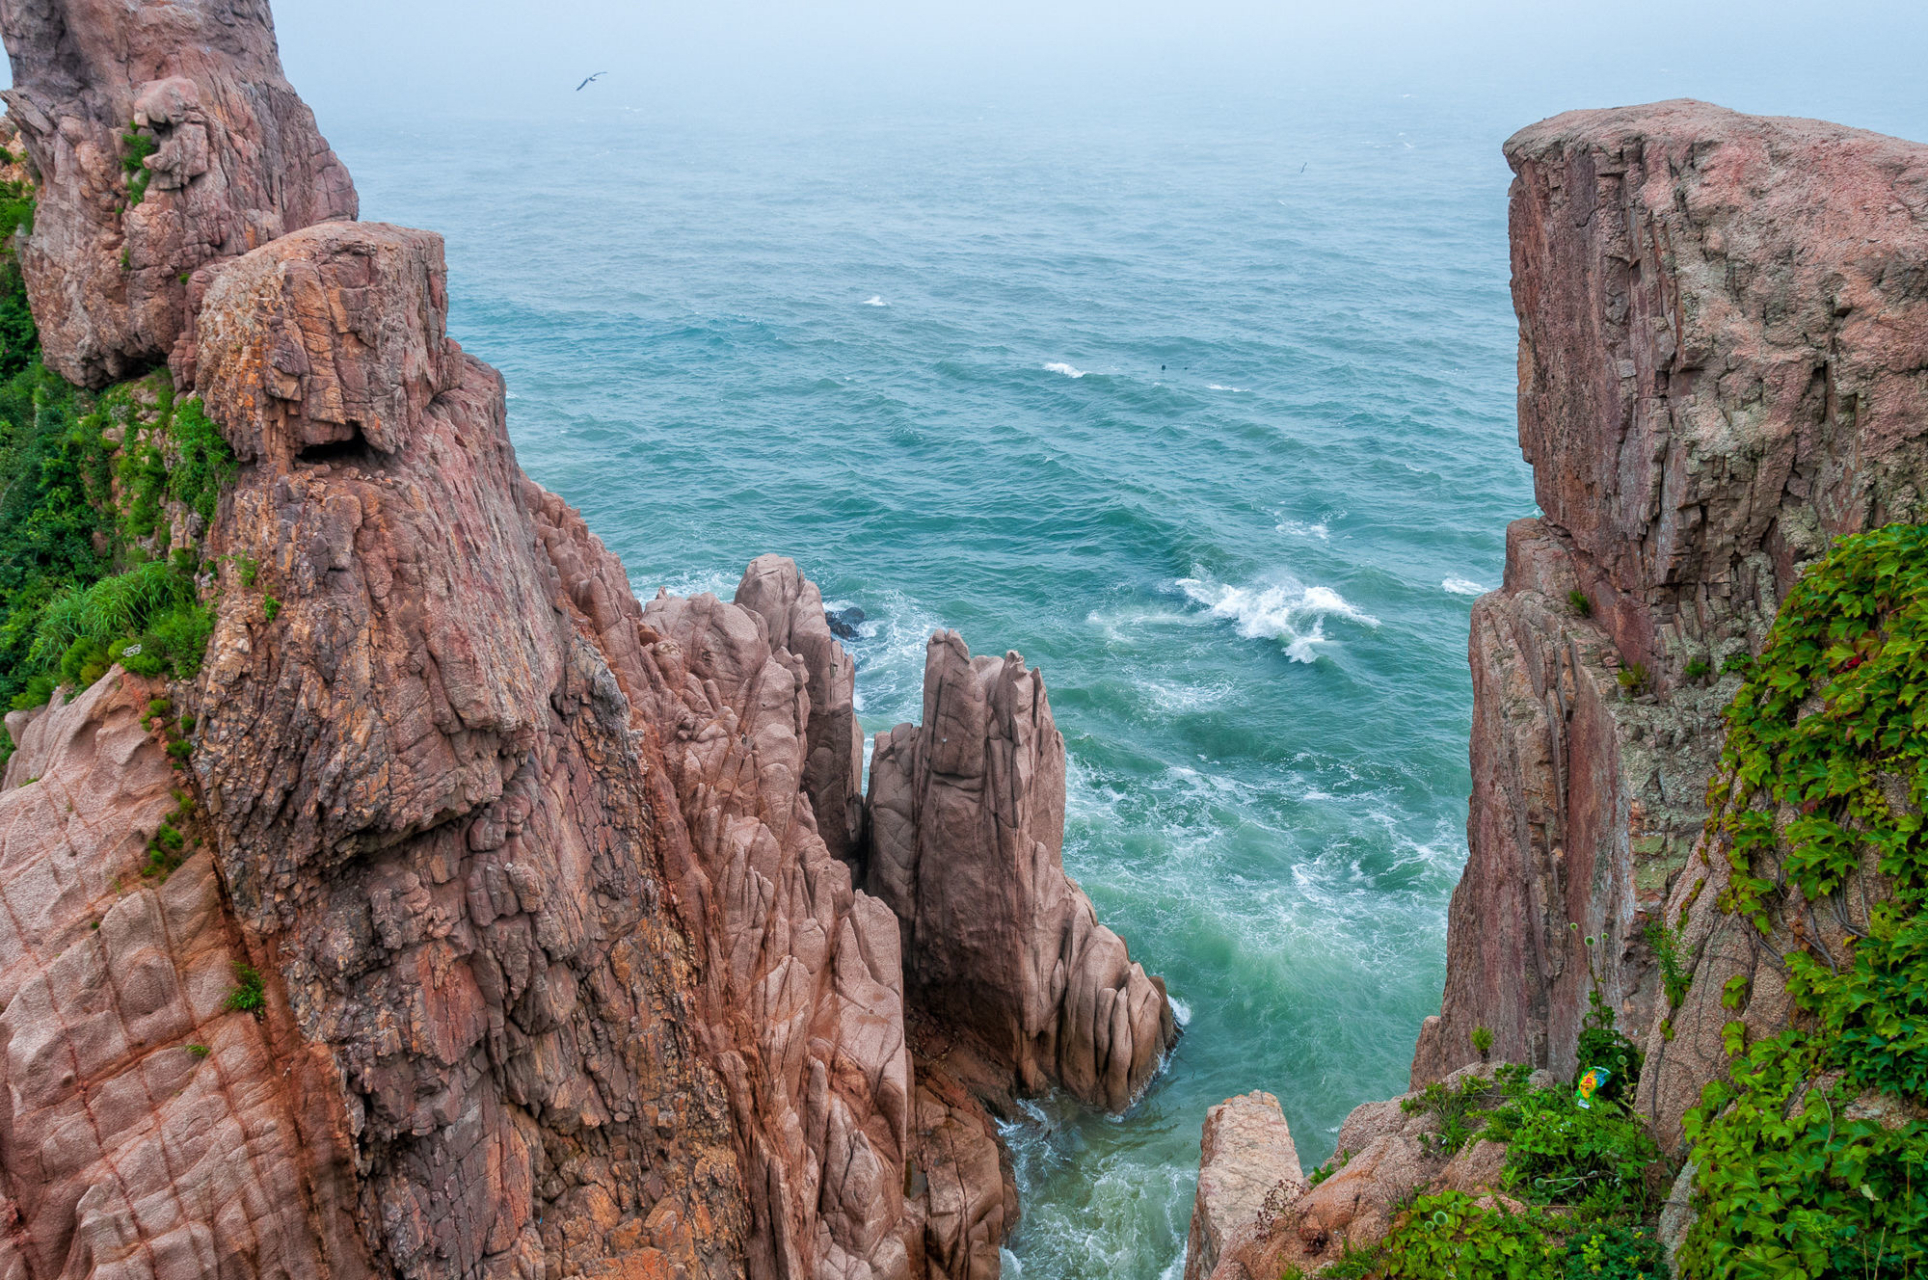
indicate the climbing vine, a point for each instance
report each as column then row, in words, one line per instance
column 1810, row 1166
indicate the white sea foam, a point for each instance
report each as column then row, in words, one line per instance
column 696, row 582
column 1180, row 1010
column 1059, row 366
column 1213, row 386
column 1287, row 611
column 875, row 300
column 1320, row 528
column 1464, row 587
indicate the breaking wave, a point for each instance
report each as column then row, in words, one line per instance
column 1287, row 611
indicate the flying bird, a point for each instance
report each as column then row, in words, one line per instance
column 586, row 83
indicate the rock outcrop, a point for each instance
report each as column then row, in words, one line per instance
column 1247, row 1165
column 966, row 839
column 1723, row 367
column 794, row 621
column 429, row 807
column 149, row 1127
column 166, row 137
column 520, row 935
column 1256, row 1214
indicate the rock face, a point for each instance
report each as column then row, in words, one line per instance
column 429, row 806
column 1723, row 366
column 540, row 865
column 793, row 617
column 967, row 828
column 233, row 160
column 148, row 1129
column 1246, row 1159
column 1256, row 1215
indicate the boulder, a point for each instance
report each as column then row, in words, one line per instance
column 1246, row 1165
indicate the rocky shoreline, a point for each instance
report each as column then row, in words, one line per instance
column 456, row 913
column 1721, row 372
column 521, row 928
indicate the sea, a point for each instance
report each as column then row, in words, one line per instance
column 1202, row 402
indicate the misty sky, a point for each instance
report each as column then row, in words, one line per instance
column 1857, row 61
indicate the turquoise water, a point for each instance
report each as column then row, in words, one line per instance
column 1205, row 408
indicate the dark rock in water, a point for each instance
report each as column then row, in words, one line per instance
column 843, row 622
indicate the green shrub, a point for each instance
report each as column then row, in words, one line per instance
column 198, row 1050
column 1675, row 976
column 1453, row 1235
column 205, row 464
column 271, row 607
column 136, row 147
column 1635, row 679
column 1482, row 1040
column 1558, row 1152
column 1698, row 670
column 55, row 516
column 1577, row 601
column 247, row 995
column 1613, row 1253
column 6, row 748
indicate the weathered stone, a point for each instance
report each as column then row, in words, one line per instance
column 1723, row 366
column 236, row 162
column 966, row 832
column 430, row 806
column 1246, row 1158
column 148, row 1129
column 793, row 617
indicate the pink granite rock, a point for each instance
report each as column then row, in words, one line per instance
column 235, row 161
column 1723, row 366
column 967, row 827
column 145, row 1128
column 1246, row 1163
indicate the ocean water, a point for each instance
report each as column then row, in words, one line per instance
column 1203, row 406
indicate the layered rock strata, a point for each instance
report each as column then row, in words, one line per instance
column 966, row 838
column 166, row 137
column 1723, row 367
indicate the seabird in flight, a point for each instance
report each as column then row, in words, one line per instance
column 585, row 84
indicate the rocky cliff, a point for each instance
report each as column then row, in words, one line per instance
column 507, row 925
column 967, row 828
column 165, row 137
column 1723, row 367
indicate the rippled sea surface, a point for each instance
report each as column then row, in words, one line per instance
column 1206, row 408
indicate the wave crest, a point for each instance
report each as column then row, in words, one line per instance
column 1287, row 611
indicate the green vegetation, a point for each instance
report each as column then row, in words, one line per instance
column 1462, row 1109
column 1577, row 601
column 19, row 340
column 71, row 515
column 1675, row 976
column 271, row 607
column 1791, row 1183
column 247, row 996
column 136, row 146
column 169, row 847
column 1635, row 679
column 1698, row 670
column 198, row 1050
column 1482, row 1040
